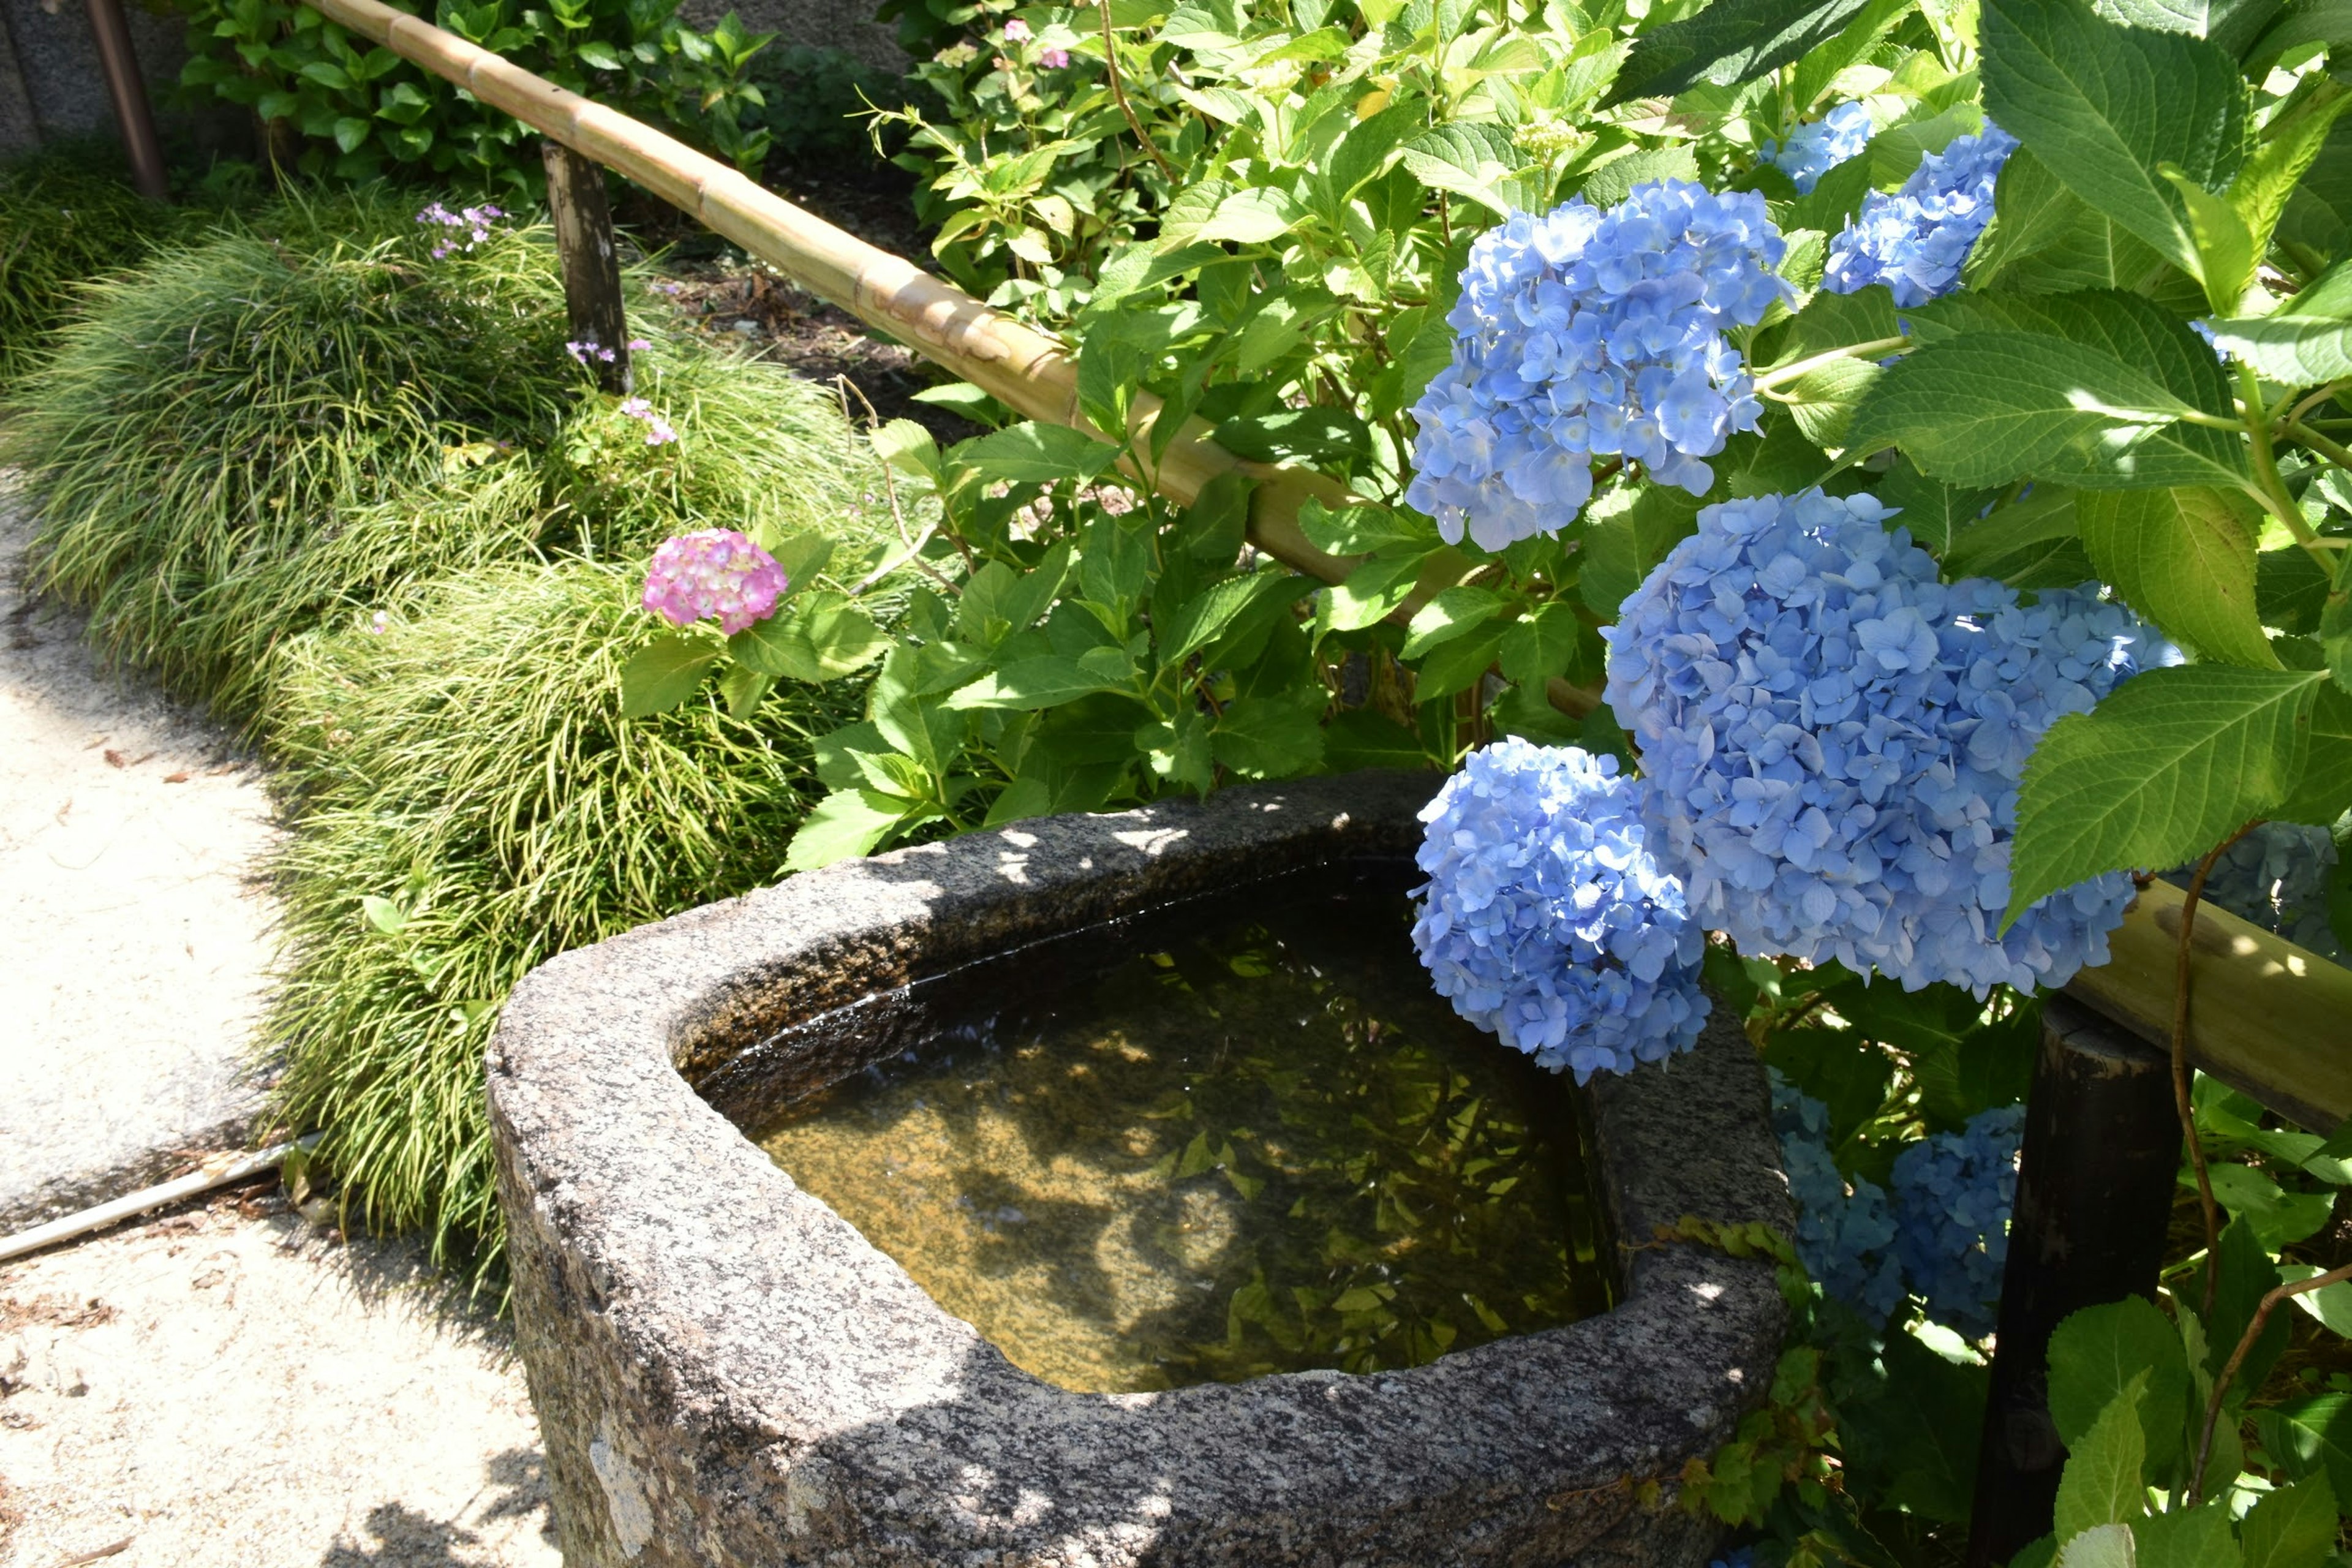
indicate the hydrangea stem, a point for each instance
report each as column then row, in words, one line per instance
column 1870, row 349
column 2268, row 488
column 1118, row 91
column 2180, row 1097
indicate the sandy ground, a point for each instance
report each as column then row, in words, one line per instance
column 229, row 1388
column 132, row 943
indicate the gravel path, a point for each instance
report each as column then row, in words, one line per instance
column 228, row 1388
column 132, row 943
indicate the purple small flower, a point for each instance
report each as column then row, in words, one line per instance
column 714, row 574
column 588, row 348
column 639, row 345
column 657, row 429
column 1054, row 60
column 476, row 221
column 1016, row 31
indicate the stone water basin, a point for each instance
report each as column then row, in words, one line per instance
column 1023, row 1060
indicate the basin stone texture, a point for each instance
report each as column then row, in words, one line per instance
column 727, row 1372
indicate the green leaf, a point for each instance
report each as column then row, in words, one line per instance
column 1542, row 644
column 1360, row 530
column 2028, row 544
column 1047, row 681
column 1458, row 610
column 1269, row 737
column 1612, row 182
column 2294, row 351
column 1363, row 739
column 1627, row 532
column 2186, row 1538
column 2101, row 1483
column 1216, row 609
column 2108, row 1546
column 1031, row 453
column 845, row 824
column 998, row 603
column 1115, row 563
column 1456, row 666
column 1374, row 591
column 2312, row 1436
column 820, row 637
column 2293, row 1527
column 743, row 688
column 596, row 53
column 2313, row 22
column 1319, row 437
column 1469, row 158
column 2224, row 247
column 1985, row 408
column 2247, row 1274
column 1253, row 216
column 664, row 673
column 383, row 914
column 1934, row 512
column 2279, row 1217
column 2325, row 792
column 351, row 131
column 2170, row 764
column 1727, row 42
column 2102, row 106
column 2336, row 622
column 2185, row 559
column 2100, row 1351
column 909, row 448
column 1177, row 750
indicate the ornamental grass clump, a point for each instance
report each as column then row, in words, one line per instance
column 66, row 219
column 470, row 804
column 211, row 447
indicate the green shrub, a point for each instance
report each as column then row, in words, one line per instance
column 66, row 219
column 472, row 804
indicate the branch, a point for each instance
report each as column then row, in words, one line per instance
column 2238, row 1359
column 1111, row 63
column 2181, row 1101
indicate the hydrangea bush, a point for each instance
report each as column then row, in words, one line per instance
column 1916, row 240
column 1952, row 1197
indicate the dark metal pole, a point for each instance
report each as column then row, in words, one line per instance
column 128, row 89
column 592, row 264
column 2095, row 1187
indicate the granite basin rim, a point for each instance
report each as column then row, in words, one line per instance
column 729, row 1372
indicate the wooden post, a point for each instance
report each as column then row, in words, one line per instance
column 124, row 85
column 2095, row 1189
column 592, row 266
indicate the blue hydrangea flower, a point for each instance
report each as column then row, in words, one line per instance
column 1544, row 920
column 2276, row 877
column 1816, row 148
column 1952, row 1197
column 1585, row 334
column 1916, row 240
column 1845, row 1234
column 1836, row 740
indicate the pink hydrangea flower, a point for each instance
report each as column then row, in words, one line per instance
column 1016, row 31
column 715, row 573
column 1053, row 59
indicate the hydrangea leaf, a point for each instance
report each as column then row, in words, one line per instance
column 1047, row 681
column 1989, row 407
column 823, row 636
column 1627, row 532
column 1359, row 529
column 2318, row 215
column 1218, row 609
column 2313, row 1435
column 2171, row 764
column 1543, row 643
column 2228, row 22
column 1613, row 181
column 1934, row 512
column 2096, row 1354
column 2102, row 105
column 664, row 673
column 1029, row 453
column 2325, row 792
column 1469, row 158
column 2107, row 1546
column 845, row 824
column 1456, row 666
column 1360, row 738
column 1728, row 42
column 1269, row 737
column 2297, row 350
column 2186, row 1538
column 1373, row 591
column 2123, row 325
column 2185, row 559
column 2102, row 1484
column 2293, row 1527
column 1457, row 611
column 2313, row 22
column 2336, row 622
column 2225, row 247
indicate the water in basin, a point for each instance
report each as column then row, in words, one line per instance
column 1235, row 1136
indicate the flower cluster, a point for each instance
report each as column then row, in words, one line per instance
column 1836, row 739
column 2276, row 877
column 1053, row 59
column 718, row 573
column 1845, row 1234
column 1952, row 1197
column 475, row 221
column 657, row 429
column 1588, row 334
column 1916, row 240
column 586, row 349
column 1546, row 921
column 1816, row 148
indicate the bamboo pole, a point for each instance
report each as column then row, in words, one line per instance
column 2267, row 1018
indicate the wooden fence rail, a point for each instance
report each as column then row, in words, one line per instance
column 2269, row 1019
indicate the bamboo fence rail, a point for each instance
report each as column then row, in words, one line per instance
column 2268, row 1017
